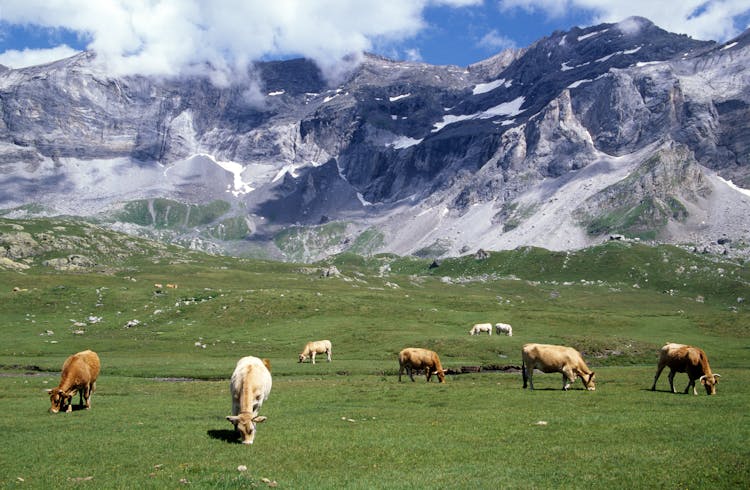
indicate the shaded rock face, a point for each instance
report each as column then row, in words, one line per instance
column 393, row 137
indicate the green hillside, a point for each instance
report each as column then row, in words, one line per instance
column 157, row 417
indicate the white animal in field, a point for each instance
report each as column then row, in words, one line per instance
column 480, row 328
column 504, row 328
column 250, row 386
column 316, row 347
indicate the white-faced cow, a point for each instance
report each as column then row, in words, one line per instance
column 504, row 328
column 555, row 359
column 79, row 373
column 413, row 358
column 686, row 359
column 316, row 347
column 250, row 386
column 481, row 328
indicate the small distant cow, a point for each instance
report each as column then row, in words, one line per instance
column 79, row 373
column 686, row 359
column 250, row 386
column 504, row 328
column 413, row 358
column 480, row 328
column 316, row 347
column 555, row 359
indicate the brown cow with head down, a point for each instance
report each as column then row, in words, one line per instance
column 686, row 359
column 79, row 373
column 555, row 359
column 415, row 358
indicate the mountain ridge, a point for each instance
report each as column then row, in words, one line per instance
column 435, row 160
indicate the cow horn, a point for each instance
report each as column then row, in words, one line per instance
column 717, row 375
column 702, row 379
column 259, row 418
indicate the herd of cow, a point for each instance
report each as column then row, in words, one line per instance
column 251, row 381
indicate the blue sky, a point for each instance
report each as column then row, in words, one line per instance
column 176, row 37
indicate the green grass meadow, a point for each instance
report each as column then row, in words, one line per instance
column 158, row 415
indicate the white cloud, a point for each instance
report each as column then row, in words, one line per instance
column 494, row 41
column 175, row 37
column 413, row 54
column 701, row 19
column 29, row 57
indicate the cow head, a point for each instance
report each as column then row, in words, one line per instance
column 440, row 374
column 60, row 400
column 302, row 357
column 588, row 381
column 710, row 382
column 245, row 423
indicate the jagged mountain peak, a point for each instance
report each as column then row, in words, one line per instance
column 405, row 156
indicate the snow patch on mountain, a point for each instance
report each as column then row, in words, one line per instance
column 512, row 108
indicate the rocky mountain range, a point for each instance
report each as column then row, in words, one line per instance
column 617, row 129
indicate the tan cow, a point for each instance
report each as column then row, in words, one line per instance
column 480, row 328
column 250, row 386
column 686, row 359
column 79, row 373
column 316, row 347
column 415, row 358
column 555, row 359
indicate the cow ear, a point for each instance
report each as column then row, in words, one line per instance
column 717, row 376
column 233, row 419
column 259, row 418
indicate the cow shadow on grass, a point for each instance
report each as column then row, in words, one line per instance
column 226, row 435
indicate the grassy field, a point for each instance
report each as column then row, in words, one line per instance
column 157, row 418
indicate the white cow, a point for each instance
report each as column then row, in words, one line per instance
column 316, row 347
column 481, row 327
column 250, row 387
column 504, row 328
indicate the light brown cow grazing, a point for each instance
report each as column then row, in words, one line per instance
column 316, row 347
column 481, row 327
column 415, row 358
column 555, row 359
column 686, row 359
column 79, row 373
column 250, row 386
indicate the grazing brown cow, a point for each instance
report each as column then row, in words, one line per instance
column 250, row 386
column 686, row 359
column 316, row 347
column 415, row 358
column 555, row 359
column 79, row 373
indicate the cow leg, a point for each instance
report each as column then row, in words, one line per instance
column 659, row 369
column 85, row 395
column 400, row 372
column 569, row 377
column 410, row 372
column 690, row 384
column 329, row 355
column 672, row 372
column 313, row 357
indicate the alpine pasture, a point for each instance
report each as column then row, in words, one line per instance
column 158, row 416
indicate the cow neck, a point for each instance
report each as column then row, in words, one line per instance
column 246, row 398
